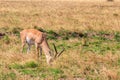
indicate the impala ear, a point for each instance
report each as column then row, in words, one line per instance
column 56, row 53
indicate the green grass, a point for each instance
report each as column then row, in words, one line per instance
column 6, row 76
column 30, row 68
column 16, row 66
column 30, row 64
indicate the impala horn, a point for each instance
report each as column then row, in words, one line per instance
column 56, row 53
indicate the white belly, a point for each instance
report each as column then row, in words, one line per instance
column 30, row 41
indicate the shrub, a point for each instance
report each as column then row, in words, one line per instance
column 117, row 36
column 110, row 0
column 6, row 39
column 30, row 64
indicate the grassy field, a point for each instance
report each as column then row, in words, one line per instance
column 89, row 32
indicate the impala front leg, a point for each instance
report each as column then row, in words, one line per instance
column 40, row 52
column 37, row 50
column 23, row 44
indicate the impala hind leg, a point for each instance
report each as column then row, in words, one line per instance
column 23, row 41
column 28, row 49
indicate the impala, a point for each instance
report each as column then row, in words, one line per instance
column 38, row 38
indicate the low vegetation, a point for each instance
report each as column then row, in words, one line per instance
column 89, row 55
column 88, row 32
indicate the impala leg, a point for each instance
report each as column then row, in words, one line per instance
column 40, row 52
column 23, row 41
column 28, row 49
column 37, row 50
column 23, row 45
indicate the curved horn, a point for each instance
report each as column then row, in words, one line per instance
column 61, row 52
column 55, row 55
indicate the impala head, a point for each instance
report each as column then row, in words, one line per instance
column 55, row 54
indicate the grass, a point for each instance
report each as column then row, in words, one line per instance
column 11, row 76
column 89, row 32
column 90, row 56
column 77, row 16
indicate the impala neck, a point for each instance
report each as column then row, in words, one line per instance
column 47, row 51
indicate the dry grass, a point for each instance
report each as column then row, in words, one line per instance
column 55, row 15
column 75, row 65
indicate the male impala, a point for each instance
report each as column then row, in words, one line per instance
column 37, row 38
